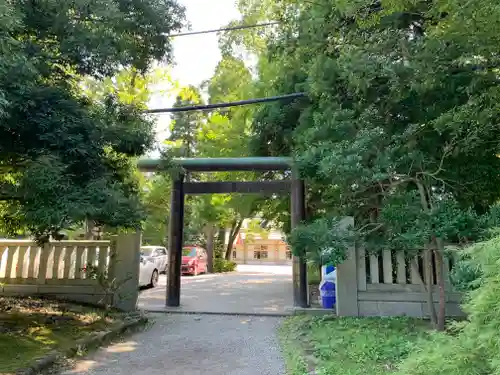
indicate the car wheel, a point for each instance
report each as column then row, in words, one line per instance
column 154, row 279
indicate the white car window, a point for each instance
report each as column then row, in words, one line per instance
column 146, row 252
column 161, row 251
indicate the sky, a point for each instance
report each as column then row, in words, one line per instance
column 195, row 56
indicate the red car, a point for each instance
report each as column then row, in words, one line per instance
column 194, row 260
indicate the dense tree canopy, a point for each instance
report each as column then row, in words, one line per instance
column 65, row 152
column 398, row 92
column 400, row 127
column 184, row 128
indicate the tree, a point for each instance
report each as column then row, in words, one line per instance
column 400, row 129
column 157, row 204
column 226, row 134
column 183, row 142
column 185, row 126
column 129, row 88
column 65, row 155
column 231, row 81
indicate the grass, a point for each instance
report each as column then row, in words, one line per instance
column 31, row 327
column 350, row 346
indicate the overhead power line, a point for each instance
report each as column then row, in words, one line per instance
column 242, row 27
column 205, row 107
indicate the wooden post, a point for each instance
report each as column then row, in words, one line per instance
column 299, row 268
column 175, row 243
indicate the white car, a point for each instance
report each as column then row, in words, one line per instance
column 154, row 260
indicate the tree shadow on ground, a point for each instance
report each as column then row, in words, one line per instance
column 32, row 327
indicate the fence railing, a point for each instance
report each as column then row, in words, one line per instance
column 59, row 269
column 390, row 283
column 24, row 261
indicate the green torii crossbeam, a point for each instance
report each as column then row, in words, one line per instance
column 225, row 164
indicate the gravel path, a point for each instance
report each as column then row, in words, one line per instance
column 192, row 345
column 253, row 289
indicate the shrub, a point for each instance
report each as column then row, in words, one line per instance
column 474, row 350
column 465, row 274
column 313, row 274
column 222, row 265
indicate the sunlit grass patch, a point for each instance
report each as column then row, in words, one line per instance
column 349, row 346
column 32, row 327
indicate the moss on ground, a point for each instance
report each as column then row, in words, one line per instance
column 349, row 346
column 31, row 327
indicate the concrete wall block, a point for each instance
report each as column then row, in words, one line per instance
column 412, row 309
column 387, row 309
column 452, row 309
column 18, row 281
column 93, row 299
column 69, row 289
column 367, row 308
column 19, row 290
column 124, row 269
column 395, row 296
column 347, row 280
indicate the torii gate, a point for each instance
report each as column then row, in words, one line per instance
column 180, row 188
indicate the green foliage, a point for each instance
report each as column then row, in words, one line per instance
column 185, row 126
column 444, row 355
column 465, row 274
column 157, row 205
column 313, row 274
column 223, row 265
column 220, row 134
column 473, row 350
column 230, row 81
column 400, row 127
column 467, row 271
column 35, row 327
column 349, row 346
column 72, row 90
column 324, row 241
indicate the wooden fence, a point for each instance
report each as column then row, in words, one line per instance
column 389, row 284
column 60, row 269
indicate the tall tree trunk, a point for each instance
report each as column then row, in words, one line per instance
column 430, row 286
column 210, row 233
column 438, row 252
column 426, row 207
column 427, row 288
column 89, row 229
column 235, row 229
column 221, row 238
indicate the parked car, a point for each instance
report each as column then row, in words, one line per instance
column 154, row 260
column 194, row 260
column 159, row 254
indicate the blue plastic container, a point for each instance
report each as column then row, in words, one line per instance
column 326, row 270
column 327, row 293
